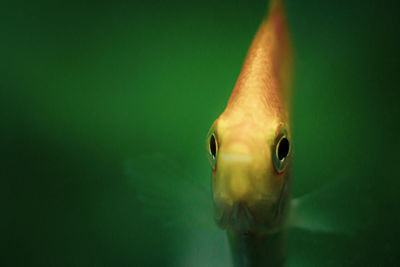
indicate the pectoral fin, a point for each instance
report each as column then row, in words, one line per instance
column 168, row 192
column 334, row 208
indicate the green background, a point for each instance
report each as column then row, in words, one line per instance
column 104, row 110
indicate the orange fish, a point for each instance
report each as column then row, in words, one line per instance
column 250, row 149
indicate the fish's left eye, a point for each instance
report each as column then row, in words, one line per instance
column 283, row 148
column 281, row 152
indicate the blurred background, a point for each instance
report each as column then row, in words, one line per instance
column 105, row 107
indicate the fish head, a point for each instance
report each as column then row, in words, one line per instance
column 250, row 155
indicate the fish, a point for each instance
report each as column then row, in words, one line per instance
column 249, row 147
column 250, row 151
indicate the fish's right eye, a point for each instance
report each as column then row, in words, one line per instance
column 212, row 150
column 213, row 146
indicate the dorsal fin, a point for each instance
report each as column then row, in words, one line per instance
column 265, row 73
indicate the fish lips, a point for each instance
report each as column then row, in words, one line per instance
column 237, row 217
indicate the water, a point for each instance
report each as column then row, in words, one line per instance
column 89, row 90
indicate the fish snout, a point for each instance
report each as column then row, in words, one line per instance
column 241, row 175
column 233, row 179
column 234, row 191
column 245, row 192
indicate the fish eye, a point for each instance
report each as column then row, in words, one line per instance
column 283, row 148
column 281, row 152
column 212, row 150
column 213, row 146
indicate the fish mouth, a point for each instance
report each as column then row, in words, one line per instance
column 247, row 216
column 237, row 217
column 241, row 218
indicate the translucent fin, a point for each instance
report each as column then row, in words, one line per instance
column 169, row 193
column 334, row 208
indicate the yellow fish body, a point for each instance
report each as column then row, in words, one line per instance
column 249, row 148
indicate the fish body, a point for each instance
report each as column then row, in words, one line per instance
column 249, row 148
